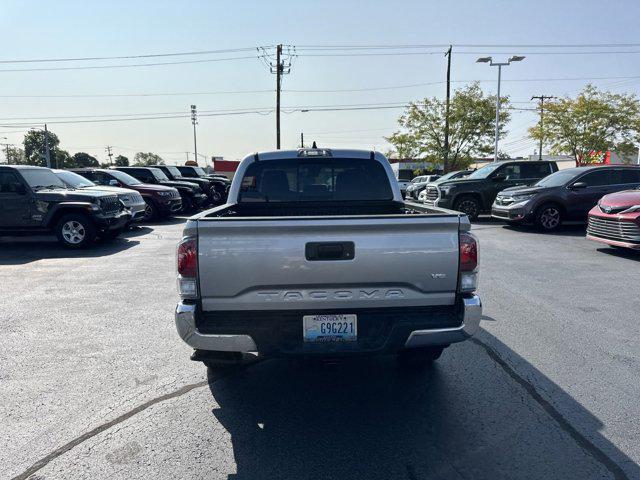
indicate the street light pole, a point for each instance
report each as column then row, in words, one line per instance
column 194, row 121
column 495, row 148
column 489, row 60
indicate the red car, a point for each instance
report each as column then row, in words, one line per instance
column 616, row 220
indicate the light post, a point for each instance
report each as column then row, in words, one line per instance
column 489, row 60
column 194, row 121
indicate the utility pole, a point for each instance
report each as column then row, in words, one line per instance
column 489, row 60
column 282, row 66
column 194, row 121
column 47, row 152
column 109, row 154
column 278, row 87
column 445, row 163
column 301, row 139
column 542, row 98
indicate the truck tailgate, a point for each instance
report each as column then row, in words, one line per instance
column 268, row 264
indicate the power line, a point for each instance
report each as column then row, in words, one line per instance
column 123, row 57
column 343, row 90
column 131, row 65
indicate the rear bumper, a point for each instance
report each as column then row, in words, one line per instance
column 284, row 337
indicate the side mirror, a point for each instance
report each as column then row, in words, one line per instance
column 578, row 185
column 499, row 177
column 114, row 183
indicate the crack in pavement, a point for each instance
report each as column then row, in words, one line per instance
column 581, row 440
column 43, row 462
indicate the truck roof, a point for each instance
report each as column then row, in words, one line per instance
column 316, row 153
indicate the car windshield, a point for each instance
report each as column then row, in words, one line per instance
column 556, row 179
column 74, row 180
column 449, row 175
column 175, row 173
column 200, row 171
column 124, row 177
column 484, row 172
column 41, row 178
column 159, row 175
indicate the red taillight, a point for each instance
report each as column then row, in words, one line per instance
column 188, row 258
column 468, row 252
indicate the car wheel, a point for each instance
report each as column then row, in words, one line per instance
column 150, row 211
column 419, row 358
column 469, row 206
column 187, row 205
column 75, row 230
column 548, row 217
column 215, row 196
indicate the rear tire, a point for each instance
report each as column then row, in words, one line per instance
column 75, row 230
column 548, row 217
column 468, row 205
column 419, row 358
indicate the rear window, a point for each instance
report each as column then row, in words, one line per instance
column 313, row 180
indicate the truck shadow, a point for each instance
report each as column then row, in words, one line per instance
column 468, row 417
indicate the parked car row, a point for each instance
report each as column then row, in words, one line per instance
column 80, row 205
column 535, row 192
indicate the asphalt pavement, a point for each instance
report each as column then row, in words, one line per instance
column 97, row 384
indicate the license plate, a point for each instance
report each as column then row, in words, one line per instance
column 330, row 328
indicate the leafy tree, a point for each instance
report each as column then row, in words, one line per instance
column 594, row 121
column 34, row 147
column 15, row 156
column 149, row 158
column 62, row 159
column 83, row 159
column 122, row 161
column 471, row 127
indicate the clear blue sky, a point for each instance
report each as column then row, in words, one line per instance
column 79, row 28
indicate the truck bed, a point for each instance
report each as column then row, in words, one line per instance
column 257, row 257
column 310, row 209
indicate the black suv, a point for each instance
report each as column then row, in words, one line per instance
column 566, row 195
column 220, row 183
column 192, row 195
column 207, row 185
column 474, row 194
column 33, row 200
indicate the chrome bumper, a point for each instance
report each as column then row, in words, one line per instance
column 186, row 326
column 444, row 336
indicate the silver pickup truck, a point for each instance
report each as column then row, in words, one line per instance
column 316, row 254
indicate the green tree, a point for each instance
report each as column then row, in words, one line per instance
column 83, row 159
column 34, row 147
column 142, row 158
column 471, row 127
column 15, row 156
column 594, row 121
column 122, row 161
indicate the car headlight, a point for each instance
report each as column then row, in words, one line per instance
column 445, row 189
column 164, row 194
column 522, row 198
